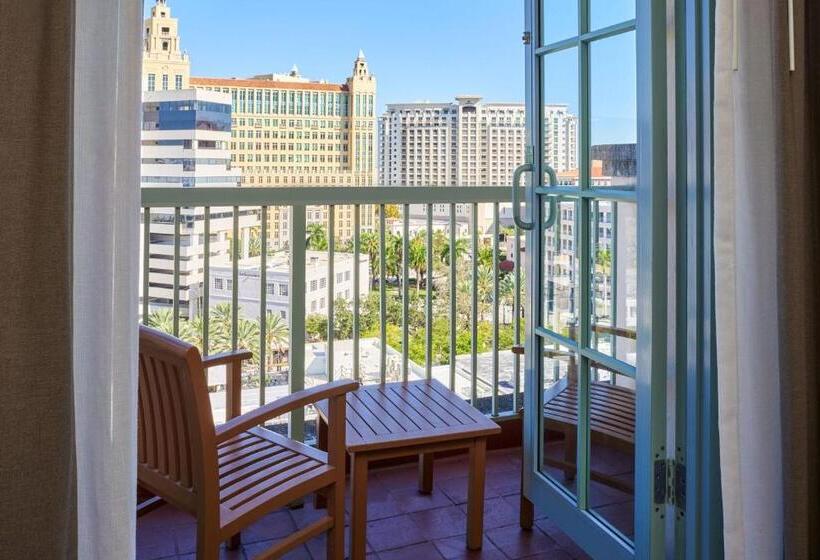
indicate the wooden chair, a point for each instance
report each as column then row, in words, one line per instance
column 231, row 475
column 611, row 420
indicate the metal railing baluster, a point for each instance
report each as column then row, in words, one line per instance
column 331, row 271
column 494, row 405
column 405, row 294
column 146, row 262
column 517, row 318
column 474, row 308
column 263, row 304
column 356, row 289
column 177, row 242
column 235, row 280
column 453, row 289
column 296, row 295
column 206, row 284
column 471, row 198
column 382, row 299
column 428, row 301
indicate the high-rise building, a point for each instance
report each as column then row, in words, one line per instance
column 466, row 143
column 164, row 65
column 287, row 130
column 292, row 131
column 185, row 137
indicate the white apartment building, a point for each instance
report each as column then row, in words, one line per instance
column 465, row 143
column 278, row 282
column 185, row 140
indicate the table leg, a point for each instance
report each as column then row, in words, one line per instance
column 475, row 494
column 358, row 502
column 319, row 498
column 426, row 473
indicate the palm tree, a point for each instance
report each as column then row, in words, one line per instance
column 418, row 258
column 460, row 250
column 506, row 293
column 161, row 319
column 276, row 338
column 485, row 256
column 316, row 237
column 369, row 244
column 393, row 255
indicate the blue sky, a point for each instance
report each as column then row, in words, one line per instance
column 414, row 48
column 419, row 50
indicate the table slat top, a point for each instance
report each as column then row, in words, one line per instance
column 409, row 414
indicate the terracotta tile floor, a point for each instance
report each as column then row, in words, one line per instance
column 402, row 524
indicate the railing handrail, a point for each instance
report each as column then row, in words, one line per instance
column 160, row 197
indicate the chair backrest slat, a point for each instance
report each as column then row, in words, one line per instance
column 176, row 431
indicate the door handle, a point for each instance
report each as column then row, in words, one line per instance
column 516, row 182
column 553, row 181
column 516, row 204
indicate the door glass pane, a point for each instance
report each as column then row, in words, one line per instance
column 603, row 13
column 559, row 420
column 612, row 449
column 614, row 282
column 559, row 115
column 613, row 112
column 559, row 20
column 561, row 271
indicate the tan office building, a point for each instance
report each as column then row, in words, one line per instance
column 287, row 130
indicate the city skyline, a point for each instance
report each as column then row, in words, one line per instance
column 276, row 38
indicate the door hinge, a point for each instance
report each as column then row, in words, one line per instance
column 670, row 484
column 526, row 37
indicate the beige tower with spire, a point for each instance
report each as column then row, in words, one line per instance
column 362, row 110
column 164, row 65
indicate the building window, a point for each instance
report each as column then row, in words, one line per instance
column 271, row 289
column 313, row 286
column 165, row 82
column 152, row 82
column 283, row 289
column 219, row 284
column 178, row 81
column 165, row 45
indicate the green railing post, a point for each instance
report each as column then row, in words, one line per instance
column 296, row 296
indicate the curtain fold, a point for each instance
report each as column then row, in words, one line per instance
column 747, row 314
column 797, row 75
column 37, row 483
column 106, row 134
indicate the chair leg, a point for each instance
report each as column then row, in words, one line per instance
column 234, row 542
column 207, row 543
column 336, row 509
column 570, row 452
column 319, row 498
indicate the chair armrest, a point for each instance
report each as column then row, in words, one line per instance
column 226, row 358
column 279, row 407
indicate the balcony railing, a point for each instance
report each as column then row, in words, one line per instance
column 225, row 236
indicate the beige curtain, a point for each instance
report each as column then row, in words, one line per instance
column 69, row 211
column 746, row 286
column 37, row 483
column 767, row 245
column 797, row 83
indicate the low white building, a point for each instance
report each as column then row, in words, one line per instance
column 278, row 282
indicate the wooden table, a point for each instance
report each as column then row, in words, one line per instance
column 413, row 418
